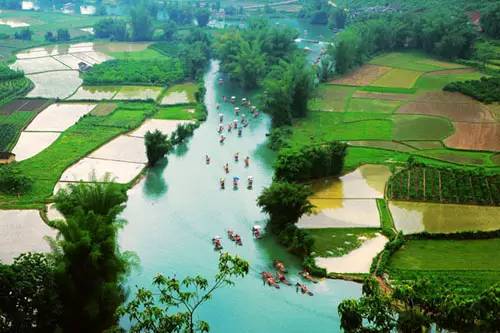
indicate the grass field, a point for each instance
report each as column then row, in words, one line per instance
column 437, row 82
column 180, row 112
column 372, row 105
column 410, row 127
column 331, row 98
column 78, row 141
column 398, row 78
column 336, row 242
column 414, row 61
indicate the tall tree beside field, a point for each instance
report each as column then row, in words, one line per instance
column 90, row 269
column 157, row 145
column 141, row 22
column 490, row 21
column 202, row 17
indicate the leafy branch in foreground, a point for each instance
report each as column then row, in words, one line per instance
column 152, row 312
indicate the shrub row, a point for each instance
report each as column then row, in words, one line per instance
column 485, row 90
column 423, row 182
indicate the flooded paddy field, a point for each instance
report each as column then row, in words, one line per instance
column 95, row 93
column 180, row 94
column 138, row 93
column 59, row 117
column 31, row 143
column 54, row 84
column 416, row 217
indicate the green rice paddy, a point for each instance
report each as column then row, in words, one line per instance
column 411, row 127
column 331, row 97
column 336, row 242
column 372, row 105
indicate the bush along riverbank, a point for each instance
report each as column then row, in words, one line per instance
column 286, row 200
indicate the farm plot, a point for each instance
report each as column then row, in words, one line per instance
column 458, row 156
column 372, row 105
column 180, row 94
column 397, row 78
column 11, row 125
column 362, row 76
column 90, row 169
column 383, row 96
column 95, row 93
column 54, row 84
column 138, row 93
column 124, row 148
column 341, row 213
column 336, row 242
column 69, row 60
column 390, row 145
column 416, row 217
column 414, row 61
column 331, row 98
column 59, row 117
column 357, row 261
column 475, row 136
column 167, row 127
column 445, row 185
column 39, row 65
column 454, row 106
column 32, row 143
column 408, row 127
column 179, row 112
column 103, row 109
column 22, row 231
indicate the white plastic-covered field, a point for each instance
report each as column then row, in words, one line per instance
column 38, row 65
column 59, row 117
column 164, row 126
column 356, row 261
column 55, row 84
column 138, row 93
column 31, row 143
column 22, row 231
column 342, row 213
column 124, row 148
column 91, row 169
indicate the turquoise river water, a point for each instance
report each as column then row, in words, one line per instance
column 178, row 207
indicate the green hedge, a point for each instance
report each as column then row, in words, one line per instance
column 485, row 90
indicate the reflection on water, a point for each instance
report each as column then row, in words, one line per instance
column 171, row 232
column 415, row 217
column 367, row 181
column 154, row 183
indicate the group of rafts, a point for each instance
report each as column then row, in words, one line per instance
column 238, row 126
column 268, row 277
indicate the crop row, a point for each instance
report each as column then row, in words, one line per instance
column 429, row 183
column 13, row 87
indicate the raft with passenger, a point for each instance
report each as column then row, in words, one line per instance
column 280, row 266
column 303, row 289
column 269, row 279
column 282, row 278
column 306, row 275
column 217, row 242
column 257, row 231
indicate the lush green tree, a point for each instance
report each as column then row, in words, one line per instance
column 49, row 36
column 351, row 319
column 249, row 64
column 169, row 30
column 90, row 269
column 319, row 17
column 301, row 78
column 63, row 35
column 13, row 181
column 141, row 22
column 115, row 29
column 175, row 309
column 325, row 69
column 285, row 203
column 202, row 17
column 490, row 20
column 28, row 295
column 24, row 34
column 103, row 197
column 157, row 145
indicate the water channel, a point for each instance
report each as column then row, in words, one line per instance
column 178, row 207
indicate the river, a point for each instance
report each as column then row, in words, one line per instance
column 178, row 207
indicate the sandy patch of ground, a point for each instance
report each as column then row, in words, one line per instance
column 356, row 261
column 59, row 117
column 384, row 96
column 90, row 169
column 22, row 231
column 341, row 213
column 31, row 143
column 164, row 126
column 123, row 148
column 454, row 106
column 138, row 92
column 475, row 136
column 55, row 84
column 38, row 65
column 175, row 97
column 362, row 76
